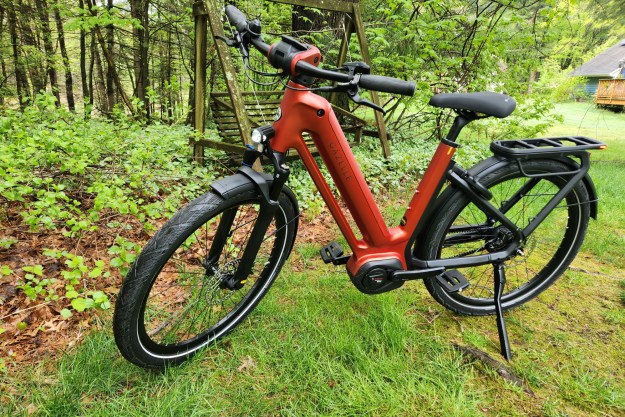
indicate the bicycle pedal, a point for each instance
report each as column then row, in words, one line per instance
column 452, row 281
column 332, row 252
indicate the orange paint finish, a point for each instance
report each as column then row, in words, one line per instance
column 312, row 56
column 427, row 187
column 399, row 236
column 303, row 111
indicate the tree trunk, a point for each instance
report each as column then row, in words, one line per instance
column 139, row 11
column 69, row 82
column 36, row 71
column 2, row 64
column 531, row 81
column 86, row 88
column 110, row 60
column 168, row 76
column 305, row 19
column 110, row 67
column 44, row 18
column 90, row 81
column 21, row 79
column 95, row 53
column 191, row 101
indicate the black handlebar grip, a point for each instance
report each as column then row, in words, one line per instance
column 387, row 84
column 236, row 18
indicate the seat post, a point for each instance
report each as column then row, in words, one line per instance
column 463, row 119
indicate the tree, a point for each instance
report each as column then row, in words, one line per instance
column 141, row 35
column 69, row 82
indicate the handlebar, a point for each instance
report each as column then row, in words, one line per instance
column 387, row 84
column 305, row 68
column 236, row 18
column 250, row 31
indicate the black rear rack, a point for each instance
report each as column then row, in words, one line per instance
column 541, row 147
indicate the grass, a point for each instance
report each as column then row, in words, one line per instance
column 316, row 346
column 607, row 172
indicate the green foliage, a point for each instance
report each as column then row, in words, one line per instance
column 74, row 176
column 66, row 172
column 124, row 253
column 73, row 282
column 36, row 285
column 557, row 85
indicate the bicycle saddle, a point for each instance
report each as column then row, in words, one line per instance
column 490, row 104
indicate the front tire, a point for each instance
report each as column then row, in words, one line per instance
column 461, row 229
column 175, row 300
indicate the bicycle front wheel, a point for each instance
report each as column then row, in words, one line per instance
column 179, row 295
column 461, row 229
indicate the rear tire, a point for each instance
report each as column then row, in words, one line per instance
column 173, row 300
column 547, row 253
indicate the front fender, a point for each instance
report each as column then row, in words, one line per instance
column 249, row 179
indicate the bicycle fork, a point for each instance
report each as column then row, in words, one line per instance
column 270, row 193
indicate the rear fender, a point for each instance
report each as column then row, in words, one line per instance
column 495, row 162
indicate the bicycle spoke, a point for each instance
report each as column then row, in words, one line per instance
column 187, row 300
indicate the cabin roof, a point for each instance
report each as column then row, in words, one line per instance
column 607, row 64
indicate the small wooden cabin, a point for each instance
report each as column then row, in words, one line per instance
column 608, row 65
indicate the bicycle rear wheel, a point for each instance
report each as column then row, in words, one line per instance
column 179, row 295
column 461, row 229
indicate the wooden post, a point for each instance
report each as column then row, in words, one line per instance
column 238, row 105
column 230, row 74
column 199, row 110
column 343, row 49
column 364, row 50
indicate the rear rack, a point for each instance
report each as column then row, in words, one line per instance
column 541, row 147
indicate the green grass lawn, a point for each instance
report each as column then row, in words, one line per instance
column 608, row 171
column 316, row 346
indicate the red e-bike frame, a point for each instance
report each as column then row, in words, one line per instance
column 305, row 112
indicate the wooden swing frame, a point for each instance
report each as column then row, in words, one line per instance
column 207, row 15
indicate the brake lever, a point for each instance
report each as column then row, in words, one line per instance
column 353, row 91
column 237, row 42
column 359, row 100
column 229, row 42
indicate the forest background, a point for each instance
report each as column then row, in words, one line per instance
column 96, row 112
column 138, row 55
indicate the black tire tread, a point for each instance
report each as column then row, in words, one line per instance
column 451, row 197
column 138, row 281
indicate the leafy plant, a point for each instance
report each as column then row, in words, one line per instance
column 124, row 253
column 36, row 285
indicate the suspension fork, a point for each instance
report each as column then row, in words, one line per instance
column 221, row 237
column 268, row 207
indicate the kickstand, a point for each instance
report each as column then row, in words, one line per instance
column 500, row 282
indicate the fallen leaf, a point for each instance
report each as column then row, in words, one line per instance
column 248, row 363
column 31, row 409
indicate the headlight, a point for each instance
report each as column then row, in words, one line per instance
column 257, row 136
column 263, row 134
